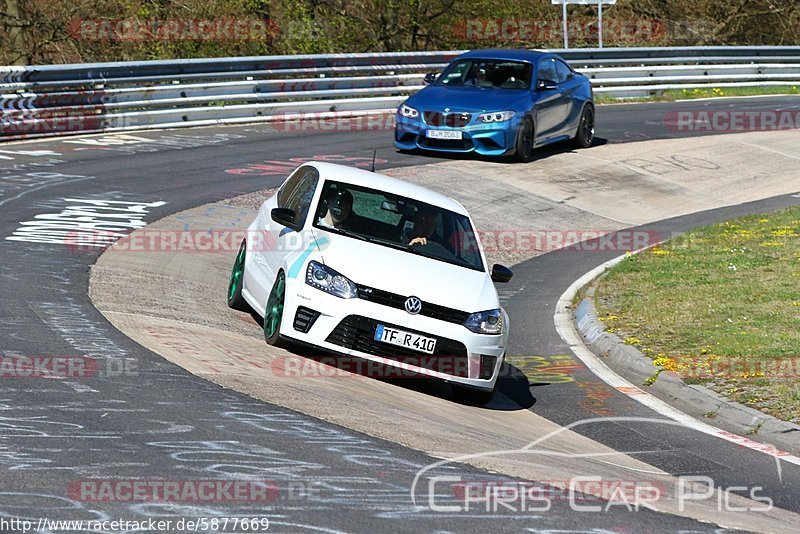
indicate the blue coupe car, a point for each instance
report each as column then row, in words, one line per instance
column 498, row 103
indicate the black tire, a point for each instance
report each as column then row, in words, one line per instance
column 273, row 314
column 235, row 299
column 524, row 143
column 584, row 136
column 473, row 397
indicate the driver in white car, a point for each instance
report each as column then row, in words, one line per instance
column 421, row 229
column 340, row 207
column 339, row 213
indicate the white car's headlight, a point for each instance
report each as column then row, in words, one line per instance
column 485, row 322
column 326, row 279
column 499, row 116
column 408, row 111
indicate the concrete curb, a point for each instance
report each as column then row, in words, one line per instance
column 637, row 367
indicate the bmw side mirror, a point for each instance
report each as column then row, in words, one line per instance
column 284, row 216
column 501, row 273
column 546, row 85
column 430, row 77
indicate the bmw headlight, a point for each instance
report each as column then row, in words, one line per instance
column 485, row 322
column 499, row 116
column 326, row 279
column 408, row 112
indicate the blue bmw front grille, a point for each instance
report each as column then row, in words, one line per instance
column 451, row 120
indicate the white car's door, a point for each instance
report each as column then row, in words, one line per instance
column 296, row 195
column 259, row 276
column 275, row 241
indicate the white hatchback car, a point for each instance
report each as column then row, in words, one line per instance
column 366, row 265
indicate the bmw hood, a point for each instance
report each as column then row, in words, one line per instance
column 470, row 99
column 407, row 274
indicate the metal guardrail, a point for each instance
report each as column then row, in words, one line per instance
column 85, row 98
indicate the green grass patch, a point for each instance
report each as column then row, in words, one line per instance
column 720, row 306
column 705, row 92
column 710, row 92
column 601, row 99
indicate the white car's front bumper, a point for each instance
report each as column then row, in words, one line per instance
column 348, row 325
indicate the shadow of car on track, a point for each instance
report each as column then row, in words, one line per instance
column 538, row 154
column 512, row 391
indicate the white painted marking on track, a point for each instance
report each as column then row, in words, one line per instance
column 81, row 388
column 768, row 149
column 567, row 330
column 45, row 185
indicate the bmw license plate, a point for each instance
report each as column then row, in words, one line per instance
column 444, row 134
column 405, row 339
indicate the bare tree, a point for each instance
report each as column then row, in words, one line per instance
column 14, row 52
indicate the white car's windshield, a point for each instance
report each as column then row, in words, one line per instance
column 494, row 73
column 398, row 222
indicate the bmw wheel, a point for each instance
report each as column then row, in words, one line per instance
column 273, row 315
column 524, row 143
column 235, row 299
column 585, row 134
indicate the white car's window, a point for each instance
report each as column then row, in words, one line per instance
column 298, row 191
column 465, row 241
column 398, row 222
column 290, row 185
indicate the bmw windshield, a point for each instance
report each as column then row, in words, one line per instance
column 487, row 73
column 398, row 222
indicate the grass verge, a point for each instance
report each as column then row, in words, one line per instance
column 720, row 306
column 706, row 92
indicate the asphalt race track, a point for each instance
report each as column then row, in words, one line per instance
column 140, row 417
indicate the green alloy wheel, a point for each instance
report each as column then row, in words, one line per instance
column 235, row 299
column 274, row 312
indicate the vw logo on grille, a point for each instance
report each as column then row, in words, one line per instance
column 413, row 305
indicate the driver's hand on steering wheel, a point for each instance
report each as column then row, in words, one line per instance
column 418, row 241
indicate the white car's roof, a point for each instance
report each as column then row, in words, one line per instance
column 381, row 182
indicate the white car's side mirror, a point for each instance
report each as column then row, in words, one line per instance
column 501, row 273
column 284, row 216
